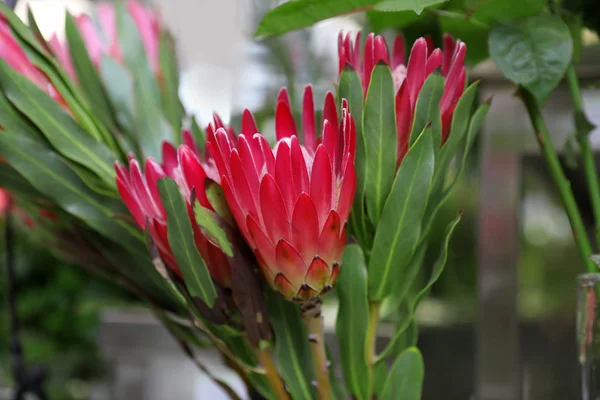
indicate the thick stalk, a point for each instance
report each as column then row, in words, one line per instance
column 589, row 165
column 560, row 180
column 370, row 350
column 313, row 320
column 266, row 359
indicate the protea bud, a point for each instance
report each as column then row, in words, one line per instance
column 101, row 37
column 409, row 77
column 291, row 202
column 140, row 193
column 12, row 53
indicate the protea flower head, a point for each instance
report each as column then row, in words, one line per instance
column 139, row 191
column 291, row 202
column 409, row 77
column 12, row 53
column 101, row 36
column 4, row 201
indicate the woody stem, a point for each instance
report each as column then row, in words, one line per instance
column 313, row 320
column 266, row 360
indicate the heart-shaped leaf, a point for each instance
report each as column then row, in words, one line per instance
column 533, row 52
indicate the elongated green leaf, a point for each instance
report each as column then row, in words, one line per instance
column 209, row 222
column 291, row 347
column 405, row 380
column 339, row 393
column 59, row 128
column 408, row 306
column 439, row 265
column 170, row 82
column 181, row 239
column 381, row 140
column 21, row 29
column 198, row 134
column 11, row 180
column 534, row 52
column 49, row 174
column 351, row 327
column 298, row 14
column 119, row 86
column 32, row 24
column 350, row 88
column 458, row 132
column 398, row 232
column 428, row 110
column 152, row 127
column 380, row 373
column 400, row 293
column 87, row 75
column 404, row 5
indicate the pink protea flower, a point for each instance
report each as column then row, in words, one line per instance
column 61, row 52
column 140, row 193
column 409, row 77
column 291, row 202
column 102, row 38
column 12, row 53
column 4, row 201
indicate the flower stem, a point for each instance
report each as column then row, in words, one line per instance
column 266, row 359
column 370, row 350
column 313, row 320
column 589, row 165
column 562, row 183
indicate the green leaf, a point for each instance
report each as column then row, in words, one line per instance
column 381, row 140
column 428, row 110
column 405, row 380
column 380, row 20
column 458, row 131
column 170, row 82
column 181, row 239
column 398, row 232
column 396, row 344
column 350, row 326
column 380, row 373
column 291, row 347
column 49, row 174
column 339, row 393
column 198, row 134
column 87, row 75
column 130, row 40
column 11, row 180
column 152, row 128
column 439, row 265
column 63, row 132
column 405, row 5
column 296, row 14
column 533, row 52
column 21, row 29
column 350, row 88
column 394, row 301
column 32, row 23
column 489, row 11
column 119, row 87
column 210, row 224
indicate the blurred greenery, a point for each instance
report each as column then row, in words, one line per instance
column 58, row 309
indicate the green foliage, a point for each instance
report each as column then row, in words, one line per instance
column 351, row 327
column 379, row 130
column 291, row 347
column 181, row 240
column 405, row 380
column 398, row 232
column 533, row 52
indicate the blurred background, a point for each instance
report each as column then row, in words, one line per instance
column 500, row 321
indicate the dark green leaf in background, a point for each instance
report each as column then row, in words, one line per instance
column 533, row 52
column 170, row 82
column 181, row 239
column 489, row 11
column 351, row 326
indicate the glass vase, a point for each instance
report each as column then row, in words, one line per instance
column 588, row 334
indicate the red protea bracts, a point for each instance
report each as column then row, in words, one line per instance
column 409, row 77
column 291, row 203
column 141, row 196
